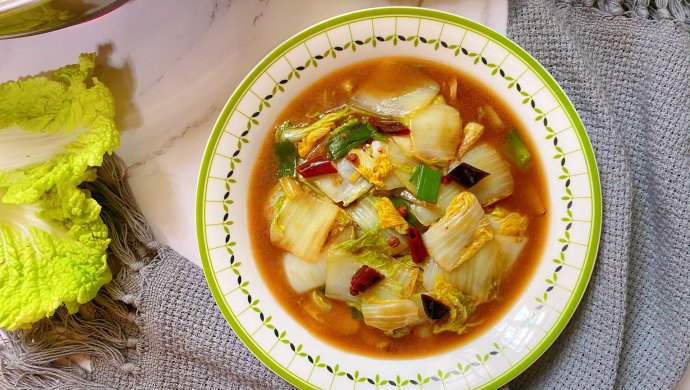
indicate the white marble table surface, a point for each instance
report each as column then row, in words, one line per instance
column 172, row 64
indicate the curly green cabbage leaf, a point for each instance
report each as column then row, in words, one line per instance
column 45, row 262
column 53, row 131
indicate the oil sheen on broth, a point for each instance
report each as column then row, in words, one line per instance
column 337, row 325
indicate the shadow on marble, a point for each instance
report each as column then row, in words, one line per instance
column 121, row 82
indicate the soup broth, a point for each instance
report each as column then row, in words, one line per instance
column 341, row 325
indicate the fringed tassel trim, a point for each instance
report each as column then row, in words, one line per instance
column 105, row 329
column 677, row 11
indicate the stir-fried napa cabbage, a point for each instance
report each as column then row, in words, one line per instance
column 389, row 216
column 499, row 184
column 301, row 225
column 446, row 194
column 365, row 215
column 435, row 132
column 306, row 275
column 511, row 228
column 391, row 314
column 472, row 132
column 340, row 187
column 461, row 307
column 508, row 223
column 511, row 247
column 459, row 234
column 375, row 169
column 373, row 213
column 480, row 275
column 392, row 98
column 400, row 149
column 340, row 267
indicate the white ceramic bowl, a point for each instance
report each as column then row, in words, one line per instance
column 556, row 287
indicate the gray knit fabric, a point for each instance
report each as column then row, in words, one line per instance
column 629, row 79
column 157, row 326
column 183, row 341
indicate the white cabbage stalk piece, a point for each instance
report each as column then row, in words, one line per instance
column 340, row 268
column 304, row 275
column 511, row 247
column 390, row 315
column 384, row 94
column 436, row 133
column 426, row 215
column 338, row 187
column 446, row 193
column 479, row 276
column 499, row 184
column 400, row 149
column 459, row 234
column 301, row 226
column 432, row 271
column 510, row 228
column 307, row 275
column 15, row 145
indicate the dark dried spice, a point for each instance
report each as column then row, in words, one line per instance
column 388, row 126
column 434, row 308
column 467, row 175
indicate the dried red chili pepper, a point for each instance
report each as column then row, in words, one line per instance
column 365, row 278
column 316, row 168
column 417, row 248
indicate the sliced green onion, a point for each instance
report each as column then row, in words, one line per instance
column 516, row 151
column 428, row 181
column 286, row 153
column 377, row 135
column 349, row 136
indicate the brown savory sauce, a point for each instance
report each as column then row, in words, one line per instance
column 337, row 327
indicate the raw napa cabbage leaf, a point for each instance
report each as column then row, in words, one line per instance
column 45, row 262
column 53, row 132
